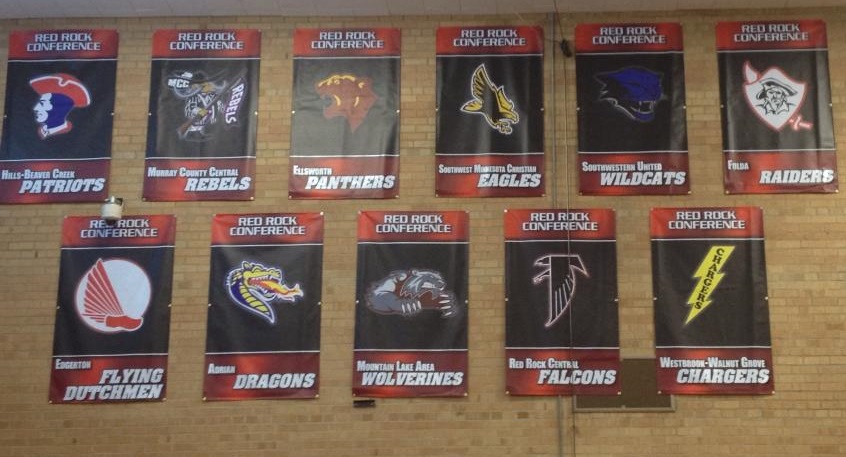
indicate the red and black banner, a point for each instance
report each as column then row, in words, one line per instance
column 489, row 140
column 345, row 124
column 201, row 134
column 778, row 133
column 113, row 315
column 631, row 109
column 712, row 326
column 411, row 304
column 57, row 128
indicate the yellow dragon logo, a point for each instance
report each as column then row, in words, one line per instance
column 255, row 287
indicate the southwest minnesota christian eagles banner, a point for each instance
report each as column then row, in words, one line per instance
column 201, row 134
column 490, row 112
column 631, row 96
column 57, row 129
column 263, row 337
column 345, row 124
column 113, row 316
column 712, row 327
column 561, row 331
column 411, row 304
column 778, row 134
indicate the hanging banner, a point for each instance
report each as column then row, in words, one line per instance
column 775, row 96
column 201, row 133
column 345, row 121
column 489, row 140
column 411, row 304
column 113, row 316
column 631, row 109
column 263, row 337
column 57, row 128
column 712, row 327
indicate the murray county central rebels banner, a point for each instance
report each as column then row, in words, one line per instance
column 113, row 315
column 489, row 140
column 778, row 133
column 631, row 109
column 345, row 124
column 712, row 327
column 57, row 129
column 263, row 337
column 411, row 304
column 201, row 133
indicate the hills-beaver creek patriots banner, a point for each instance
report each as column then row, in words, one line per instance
column 57, row 128
column 201, row 134
column 712, row 327
column 263, row 337
column 411, row 304
column 113, row 315
column 778, row 133
column 489, row 140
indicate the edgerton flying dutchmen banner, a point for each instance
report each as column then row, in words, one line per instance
column 57, row 129
column 561, row 327
column 631, row 109
column 345, row 124
column 201, row 134
column 411, row 304
column 489, row 140
column 778, row 134
column 712, row 327
column 263, row 337
column 113, row 316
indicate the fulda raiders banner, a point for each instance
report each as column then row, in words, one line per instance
column 345, row 116
column 775, row 96
column 712, row 328
column 113, row 316
column 631, row 109
column 561, row 320
column 263, row 332
column 489, row 139
column 201, row 133
column 57, row 128
column 411, row 304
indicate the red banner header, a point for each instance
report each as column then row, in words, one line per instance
column 347, row 42
column 413, row 226
column 92, row 231
column 740, row 222
column 277, row 228
column 63, row 44
column 657, row 37
column 806, row 34
column 559, row 224
column 490, row 40
column 206, row 43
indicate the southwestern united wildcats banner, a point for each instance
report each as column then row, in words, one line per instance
column 712, row 326
column 631, row 109
column 778, row 133
column 411, row 304
column 263, row 337
column 113, row 315
column 489, row 140
column 345, row 124
column 561, row 324
column 201, row 134
column 57, row 129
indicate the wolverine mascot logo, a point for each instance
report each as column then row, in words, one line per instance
column 409, row 292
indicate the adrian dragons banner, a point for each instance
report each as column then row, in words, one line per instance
column 201, row 133
column 263, row 337
column 561, row 323
column 57, row 128
column 411, row 304
column 113, row 315
column 778, row 133
column 712, row 326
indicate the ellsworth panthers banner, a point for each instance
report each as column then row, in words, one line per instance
column 113, row 315
column 411, row 304
column 712, row 326
column 57, row 127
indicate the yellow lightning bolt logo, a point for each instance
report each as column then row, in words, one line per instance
column 709, row 274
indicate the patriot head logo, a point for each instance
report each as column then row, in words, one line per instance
column 408, row 292
column 113, row 296
column 348, row 96
column 491, row 102
column 255, row 287
column 58, row 95
column 633, row 91
column 775, row 97
column 559, row 271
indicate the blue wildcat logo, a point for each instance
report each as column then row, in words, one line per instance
column 634, row 91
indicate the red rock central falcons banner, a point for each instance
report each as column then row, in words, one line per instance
column 411, row 304
column 490, row 112
column 57, row 128
column 113, row 316
column 201, row 134
column 778, row 133
column 712, row 327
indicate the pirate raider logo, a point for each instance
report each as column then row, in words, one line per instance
column 348, row 96
column 775, row 97
column 559, row 272
column 58, row 95
column 633, row 91
column 409, row 292
column 491, row 102
column 254, row 287
column 207, row 102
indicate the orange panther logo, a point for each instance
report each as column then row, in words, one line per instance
column 349, row 96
